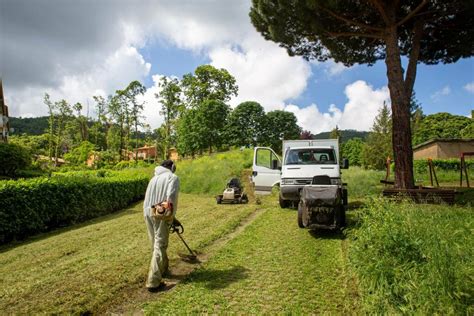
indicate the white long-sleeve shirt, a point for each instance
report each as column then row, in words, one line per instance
column 164, row 186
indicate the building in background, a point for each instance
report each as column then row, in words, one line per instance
column 443, row 148
column 4, row 122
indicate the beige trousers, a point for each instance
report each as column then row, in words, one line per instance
column 158, row 232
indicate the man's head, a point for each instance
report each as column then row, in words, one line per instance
column 169, row 164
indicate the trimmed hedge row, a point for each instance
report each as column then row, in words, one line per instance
column 443, row 164
column 32, row 206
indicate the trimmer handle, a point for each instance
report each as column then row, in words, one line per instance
column 176, row 226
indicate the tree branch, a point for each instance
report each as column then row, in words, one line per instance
column 354, row 34
column 377, row 4
column 351, row 22
column 413, row 58
column 412, row 13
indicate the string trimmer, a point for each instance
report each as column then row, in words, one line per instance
column 177, row 227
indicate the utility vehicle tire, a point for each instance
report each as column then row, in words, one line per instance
column 283, row 203
column 300, row 216
column 344, row 197
column 341, row 216
column 219, row 200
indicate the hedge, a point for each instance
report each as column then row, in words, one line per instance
column 32, row 206
column 442, row 164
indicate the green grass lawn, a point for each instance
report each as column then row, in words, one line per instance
column 272, row 267
column 255, row 259
column 79, row 269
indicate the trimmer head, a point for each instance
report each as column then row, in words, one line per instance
column 189, row 258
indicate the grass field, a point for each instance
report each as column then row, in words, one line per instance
column 398, row 258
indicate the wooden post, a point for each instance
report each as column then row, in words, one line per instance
column 387, row 167
column 430, row 167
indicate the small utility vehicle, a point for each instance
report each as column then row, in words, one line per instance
column 233, row 193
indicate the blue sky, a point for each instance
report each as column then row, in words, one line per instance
column 68, row 52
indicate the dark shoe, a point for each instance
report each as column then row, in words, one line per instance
column 158, row 288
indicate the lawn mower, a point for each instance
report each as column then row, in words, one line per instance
column 233, row 193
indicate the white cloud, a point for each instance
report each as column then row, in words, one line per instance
column 446, row 90
column 358, row 113
column 263, row 71
column 115, row 73
column 469, row 87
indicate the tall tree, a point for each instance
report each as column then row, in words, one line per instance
column 378, row 146
column 211, row 118
column 208, row 83
column 171, row 105
column 441, row 125
column 427, row 31
column 133, row 107
column 246, row 125
column 51, row 122
column 63, row 115
column 280, row 125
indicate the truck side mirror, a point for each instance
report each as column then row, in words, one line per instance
column 275, row 164
column 345, row 163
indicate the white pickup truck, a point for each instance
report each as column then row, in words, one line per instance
column 302, row 160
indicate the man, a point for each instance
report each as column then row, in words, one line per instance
column 163, row 187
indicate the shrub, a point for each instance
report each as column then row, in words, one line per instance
column 414, row 259
column 443, row 164
column 13, row 158
column 32, row 206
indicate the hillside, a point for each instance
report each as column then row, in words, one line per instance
column 29, row 125
column 346, row 135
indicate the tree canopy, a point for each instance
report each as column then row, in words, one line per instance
column 443, row 125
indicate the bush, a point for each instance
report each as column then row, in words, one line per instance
column 13, row 158
column 414, row 259
column 32, row 206
column 421, row 165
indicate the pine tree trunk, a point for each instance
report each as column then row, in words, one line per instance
column 401, row 133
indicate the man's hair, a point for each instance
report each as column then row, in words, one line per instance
column 168, row 164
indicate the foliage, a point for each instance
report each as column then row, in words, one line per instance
column 28, row 207
column 421, row 165
column 352, row 150
column 414, row 259
column 443, row 125
column 280, row 125
column 80, row 154
column 246, row 125
column 211, row 118
column 379, row 143
column 37, row 144
column 208, row 83
column 29, row 125
column 13, row 158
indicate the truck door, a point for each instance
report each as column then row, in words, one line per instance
column 266, row 171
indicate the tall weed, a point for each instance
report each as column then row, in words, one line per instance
column 414, row 258
column 209, row 174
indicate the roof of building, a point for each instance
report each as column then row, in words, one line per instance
column 444, row 140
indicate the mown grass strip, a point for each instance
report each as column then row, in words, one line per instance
column 271, row 267
column 78, row 269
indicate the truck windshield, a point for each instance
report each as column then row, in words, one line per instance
column 310, row 156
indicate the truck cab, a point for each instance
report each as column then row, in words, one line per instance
column 301, row 161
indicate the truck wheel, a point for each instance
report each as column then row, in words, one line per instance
column 344, row 197
column 300, row 216
column 341, row 216
column 283, row 203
